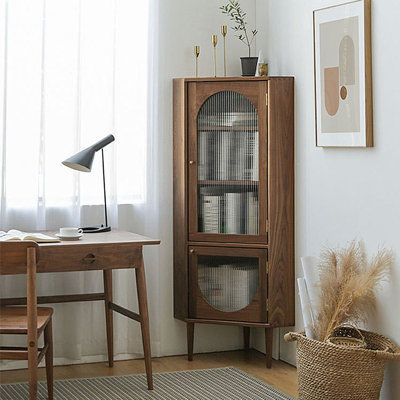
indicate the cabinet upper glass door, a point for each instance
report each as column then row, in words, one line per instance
column 228, row 165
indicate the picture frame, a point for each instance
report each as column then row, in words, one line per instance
column 343, row 75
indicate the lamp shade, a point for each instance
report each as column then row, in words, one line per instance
column 83, row 160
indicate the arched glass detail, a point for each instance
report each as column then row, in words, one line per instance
column 228, row 284
column 228, row 165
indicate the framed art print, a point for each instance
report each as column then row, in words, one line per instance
column 343, row 75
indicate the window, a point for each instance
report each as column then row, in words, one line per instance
column 75, row 73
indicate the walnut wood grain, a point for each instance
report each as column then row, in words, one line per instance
column 190, row 339
column 48, row 341
column 114, row 237
column 198, row 93
column 108, row 298
column 225, row 322
column 281, row 202
column 14, row 320
column 181, row 307
column 144, row 323
column 103, row 251
column 231, row 244
column 200, row 308
column 273, row 99
column 63, row 298
column 269, row 337
column 246, row 338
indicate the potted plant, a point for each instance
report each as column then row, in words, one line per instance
column 238, row 16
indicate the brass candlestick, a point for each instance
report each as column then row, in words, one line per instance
column 197, row 53
column 214, row 41
column 224, row 31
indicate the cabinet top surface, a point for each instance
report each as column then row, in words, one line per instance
column 234, row 78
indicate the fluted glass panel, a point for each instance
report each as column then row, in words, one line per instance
column 228, row 283
column 228, row 165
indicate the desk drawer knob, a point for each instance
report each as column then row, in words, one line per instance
column 89, row 259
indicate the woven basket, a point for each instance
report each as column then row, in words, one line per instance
column 330, row 372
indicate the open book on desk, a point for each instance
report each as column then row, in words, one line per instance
column 13, row 234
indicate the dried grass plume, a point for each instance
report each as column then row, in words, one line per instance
column 348, row 282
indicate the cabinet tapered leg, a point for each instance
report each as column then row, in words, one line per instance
column 190, row 339
column 268, row 346
column 107, row 278
column 144, row 314
column 246, row 337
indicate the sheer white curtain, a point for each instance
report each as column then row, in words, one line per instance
column 71, row 72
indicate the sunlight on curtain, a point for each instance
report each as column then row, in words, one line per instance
column 73, row 71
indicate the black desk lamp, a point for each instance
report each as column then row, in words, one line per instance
column 83, row 161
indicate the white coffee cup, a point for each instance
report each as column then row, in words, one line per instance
column 70, row 232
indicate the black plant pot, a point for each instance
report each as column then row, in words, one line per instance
column 249, row 66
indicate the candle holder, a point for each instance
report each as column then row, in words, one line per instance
column 196, row 54
column 214, row 41
column 224, row 31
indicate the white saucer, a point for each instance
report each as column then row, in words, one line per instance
column 77, row 237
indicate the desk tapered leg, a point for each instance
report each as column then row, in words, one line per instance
column 144, row 314
column 108, row 295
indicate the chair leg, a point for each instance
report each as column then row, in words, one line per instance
column 269, row 336
column 48, row 340
column 190, row 339
column 107, row 278
column 144, row 314
column 32, row 369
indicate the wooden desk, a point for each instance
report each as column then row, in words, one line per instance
column 98, row 251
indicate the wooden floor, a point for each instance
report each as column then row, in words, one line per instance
column 281, row 375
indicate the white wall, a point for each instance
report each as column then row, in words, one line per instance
column 343, row 194
column 183, row 24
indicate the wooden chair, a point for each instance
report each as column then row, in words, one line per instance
column 30, row 320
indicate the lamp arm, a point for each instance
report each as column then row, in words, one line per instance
column 104, row 190
column 103, row 142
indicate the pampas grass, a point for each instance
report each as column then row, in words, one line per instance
column 347, row 284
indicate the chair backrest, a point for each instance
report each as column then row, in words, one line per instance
column 22, row 257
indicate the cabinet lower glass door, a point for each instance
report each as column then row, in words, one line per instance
column 228, row 284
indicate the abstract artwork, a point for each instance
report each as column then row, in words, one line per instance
column 343, row 88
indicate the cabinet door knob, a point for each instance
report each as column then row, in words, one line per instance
column 191, row 251
column 191, row 162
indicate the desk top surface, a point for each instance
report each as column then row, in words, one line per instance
column 113, row 237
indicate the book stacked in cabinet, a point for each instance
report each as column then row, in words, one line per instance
column 234, row 204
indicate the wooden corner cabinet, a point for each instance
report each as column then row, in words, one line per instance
column 234, row 204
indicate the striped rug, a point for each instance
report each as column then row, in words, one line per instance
column 208, row 384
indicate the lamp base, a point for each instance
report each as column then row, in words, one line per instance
column 96, row 229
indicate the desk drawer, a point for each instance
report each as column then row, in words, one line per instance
column 89, row 257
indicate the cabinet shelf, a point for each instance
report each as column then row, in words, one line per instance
column 226, row 183
column 228, row 129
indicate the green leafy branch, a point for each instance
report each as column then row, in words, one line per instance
column 238, row 16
